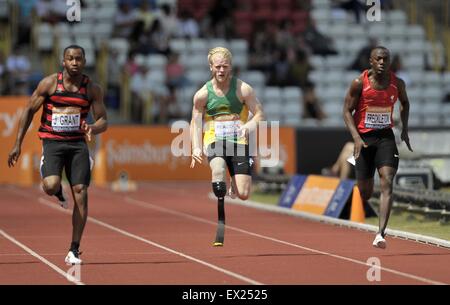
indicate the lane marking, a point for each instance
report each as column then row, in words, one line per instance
column 199, row 219
column 67, row 276
column 53, row 205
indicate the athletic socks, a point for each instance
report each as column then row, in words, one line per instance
column 74, row 247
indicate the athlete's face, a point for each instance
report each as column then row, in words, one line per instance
column 220, row 67
column 74, row 61
column 380, row 61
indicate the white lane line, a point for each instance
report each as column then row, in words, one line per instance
column 66, row 275
column 195, row 218
column 198, row 219
column 53, row 205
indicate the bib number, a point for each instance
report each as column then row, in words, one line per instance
column 66, row 119
column 226, row 129
column 378, row 117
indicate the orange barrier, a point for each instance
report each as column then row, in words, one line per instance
column 27, row 169
column 357, row 211
column 147, row 153
column 144, row 153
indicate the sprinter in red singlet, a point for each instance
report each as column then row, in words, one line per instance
column 66, row 97
column 368, row 109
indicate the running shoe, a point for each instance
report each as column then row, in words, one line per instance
column 72, row 258
column 379, row 242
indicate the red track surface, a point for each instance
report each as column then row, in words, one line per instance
column 163, row 234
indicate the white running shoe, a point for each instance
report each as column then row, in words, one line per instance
column 72, row 258
column 63, row 202
column 379, row 242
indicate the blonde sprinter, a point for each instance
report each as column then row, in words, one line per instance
column 223, row 104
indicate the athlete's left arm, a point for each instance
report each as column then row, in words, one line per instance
column 404, row 111
column 98, row 111
column 254, row 106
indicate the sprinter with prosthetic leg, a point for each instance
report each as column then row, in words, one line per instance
column 224, row 103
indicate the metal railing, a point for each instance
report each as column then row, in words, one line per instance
column 435, row 204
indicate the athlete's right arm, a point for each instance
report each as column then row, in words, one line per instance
column 351, row 102
column 35, row 103
column 196, row 128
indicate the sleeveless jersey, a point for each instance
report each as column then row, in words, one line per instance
column 220, row 105
column 375, row 108
column 63, row 111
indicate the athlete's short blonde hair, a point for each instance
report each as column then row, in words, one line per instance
column 219, row 50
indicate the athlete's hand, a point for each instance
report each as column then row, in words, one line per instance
column 243, row 132
column 404, row 136
column 14, row 156
column 87, row 130
column 359, row 144
column 197, row 156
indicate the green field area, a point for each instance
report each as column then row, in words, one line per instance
column 399, row 220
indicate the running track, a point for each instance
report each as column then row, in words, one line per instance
column 163, row 234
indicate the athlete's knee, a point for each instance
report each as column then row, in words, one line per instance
column 219, row 189
column 50, row 187
column 79, row 189
column 387, row 182
column 244, row 195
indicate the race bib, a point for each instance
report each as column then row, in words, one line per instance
column 378, row 117
column 227, row 129
column 66, row 119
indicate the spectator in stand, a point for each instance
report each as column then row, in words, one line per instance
column 131, row 66
column 284, row 37
column 188, row 26
column 280, row 70
column 299, row 68
column 159, row 39
column 219, row 19
column 354, row 6
column 361, row 61
column 112, row 94
column 144, row 17
column 25, row 19
column 319, row 43
column 149, row 98
column 311, row 103
column 51, row 11
column 175, row 72
column 125, row 21
column 171, row 110
column 169, row 20
column 19, row 69
column 261, row 49
column 153, row 40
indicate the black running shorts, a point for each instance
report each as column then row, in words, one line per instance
column 235, row 155
column 73, row 156
column 381, row 151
